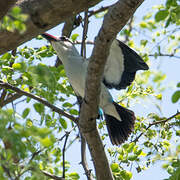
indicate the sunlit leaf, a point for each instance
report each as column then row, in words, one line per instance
column 115, row 167
column 74, row 37
column 63, row 123
column 176, row 96
column 161, row 15
column 25, row 113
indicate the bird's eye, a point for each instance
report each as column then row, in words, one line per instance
column 63, row 38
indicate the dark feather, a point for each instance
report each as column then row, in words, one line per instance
column 119, row 131
column 132, row 63
column 126, row 80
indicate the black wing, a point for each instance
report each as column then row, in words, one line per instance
column 121, row 66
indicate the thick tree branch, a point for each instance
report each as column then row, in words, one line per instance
column 43, row 15
column 46, row 103
column 117, row 16
column 155, row 123
column 5, row 6
column 3, row 95
column 68, row 26
column 10, row 99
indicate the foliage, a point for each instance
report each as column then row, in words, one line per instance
column 31, row 138
column 14, row 21
column 176, row 95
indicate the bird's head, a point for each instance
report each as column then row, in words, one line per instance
column 62, row 45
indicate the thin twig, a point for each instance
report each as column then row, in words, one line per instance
column 35, row 154
column 85, row 29
column 52, row 176
column 46, row 103
column 66, row 133
column 155, row 123
column 63, row 153
column 5, row 168
column 72, row 141
column 130, row 27
column 98, row 11
column 83, row 159
column 7, row 171
column 168, row 55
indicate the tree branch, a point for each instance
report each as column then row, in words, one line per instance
column 68, row 26
column 5, row 6
column 63, row 153
column 168, row 55
column 91, row 13
column 46, row 103
column 129, row 29
column 3, row 95
column 83, row 159
column 117, row 16
column 84, row 37
column 10, row 99
column 43, row 15
column 155, row 123
column 52, row 176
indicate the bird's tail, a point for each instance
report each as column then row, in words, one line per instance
column 119, row 131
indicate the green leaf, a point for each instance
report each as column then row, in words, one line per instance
column 67, row 104
column 178, row 133
column 16, row 66
column 176, row 96
column 143, row 24
column 39, row 107
column 144, row 42
column 16, row 10
column 161, row 15
column 29, row 123
column 131, row 147
column 6, row 56
column 46, row 141
column 132, row 157
column 170, row 3
column 126, row 175
column 25, row 113
column 115, row 167
column 74, row 37
column 63, row 123
column 73, row 112
column 170, row 169
column 74, row 175
column 159, row 77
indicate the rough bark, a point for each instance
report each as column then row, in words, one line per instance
column 5, row 5
column 114, row 21
column 43, row 15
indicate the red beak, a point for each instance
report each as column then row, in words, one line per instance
column 49, row 37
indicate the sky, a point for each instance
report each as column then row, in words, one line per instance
column 171, row 69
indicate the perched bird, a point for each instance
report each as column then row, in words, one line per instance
column 119, row 72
